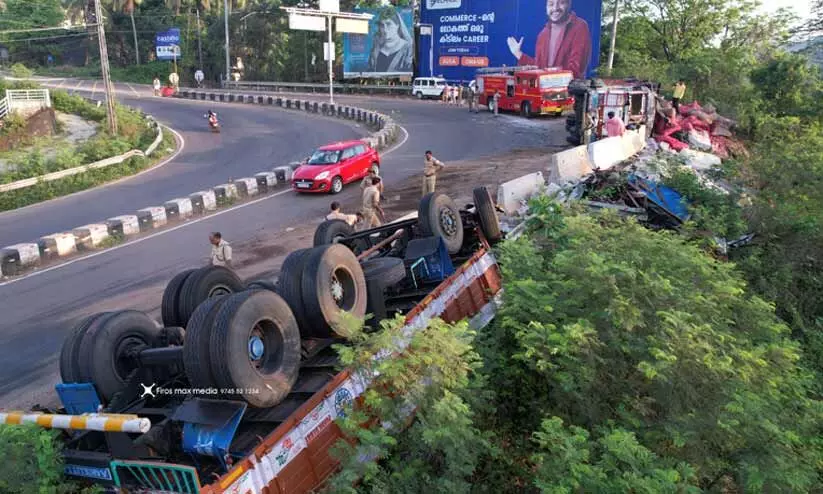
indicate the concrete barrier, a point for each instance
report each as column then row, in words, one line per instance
column 607, row 152
column 283, row 173
column 178, row 209
column 246, row 187
column 57, row 245
column 511, row 193
column 90, row 236
column 569, row 165
column 225, row 192
column 15, row 259
column 124, row 225
column 152, row 217
column 266, row 181
column 203, row 201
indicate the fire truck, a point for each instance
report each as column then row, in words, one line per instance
column 528, row 89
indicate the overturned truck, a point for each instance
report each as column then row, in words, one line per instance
column 238, row 388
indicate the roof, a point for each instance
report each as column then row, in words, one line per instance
column 340, row 145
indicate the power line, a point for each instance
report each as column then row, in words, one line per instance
column 50, row 37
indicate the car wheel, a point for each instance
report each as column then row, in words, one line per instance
column 205, row 283
column 336, row 185
column 104, row 350
column 419, row 95
column 439, row 216
column 255, row 348
column 330, row 231
column 70, row 352
column 169, row 307
column 486, row 214
column 333, row 282
column 196, row 360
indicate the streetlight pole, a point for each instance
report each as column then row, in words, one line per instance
column 614, row 37
column 226, row 22
column 330, row 56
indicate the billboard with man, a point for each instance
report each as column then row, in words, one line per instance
column 388, row 49
column 470, row 34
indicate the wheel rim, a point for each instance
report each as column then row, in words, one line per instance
column 219, row 290
column 342, row 289
column 123, row 363
column 448, row 222
column 337, row 185
column 265, row 347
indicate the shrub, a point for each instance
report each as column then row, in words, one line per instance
column 21, row 71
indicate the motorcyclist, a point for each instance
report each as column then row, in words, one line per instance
column 212, row 118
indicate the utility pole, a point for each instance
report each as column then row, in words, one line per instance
column 134, row 32
column 104, row 65
column 614, row 37
column 330, row 56
column 228, row 62
column 199, row 45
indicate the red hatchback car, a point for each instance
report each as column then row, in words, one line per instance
column 332, row 166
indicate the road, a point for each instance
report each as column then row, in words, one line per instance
column 38, row 311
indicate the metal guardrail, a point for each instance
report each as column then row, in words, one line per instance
column 308, row 87
column 4, row 107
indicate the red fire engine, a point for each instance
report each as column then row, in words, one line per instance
column 525, row 89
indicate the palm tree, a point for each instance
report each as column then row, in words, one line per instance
column 129, row 7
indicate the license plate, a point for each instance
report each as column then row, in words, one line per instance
column 303, row 186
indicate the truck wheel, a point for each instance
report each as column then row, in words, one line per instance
column 105, row 346
column 486, row 214
column 255, row 348
column 196, row 360
column 203, row 284
column 170, row 307
column 262, row 284
column 330, row 231
column 289, row 286
column 439, row 216
column 526, row 109
column 491, row 105
column 70, row 352
column 333, row 281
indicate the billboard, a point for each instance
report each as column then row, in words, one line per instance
column 167, row 44
column 470, row 34
column 387, row 50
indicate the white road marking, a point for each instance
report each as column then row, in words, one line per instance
column 133, row 90
column 178, row 227
column 93, row 89
column 62, row 82
column 79, row 83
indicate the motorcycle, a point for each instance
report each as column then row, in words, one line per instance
column 214, row 125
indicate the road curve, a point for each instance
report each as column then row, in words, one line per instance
column 37, row 312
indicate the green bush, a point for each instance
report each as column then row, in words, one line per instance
column 77, row 105
column 21, row 71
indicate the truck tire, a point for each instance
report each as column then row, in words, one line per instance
column 333, row 281
column 255, row 348
column 203, row 284
column 330, row 230
column 196, row 360
column 526, row 109
column 289, row 286
column 388, row 271
column 486, row 214
column 438, row 216
column 262, row 284
column 170, row 306
column 105, row 344
column 70, row 352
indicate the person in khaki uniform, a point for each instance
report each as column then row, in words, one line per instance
column 371, row 205
column 336, row 214
column 431, row 166
column 220, row 250
column 374, row 171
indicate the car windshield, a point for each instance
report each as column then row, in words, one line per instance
column 321, row 157
column 555, row 81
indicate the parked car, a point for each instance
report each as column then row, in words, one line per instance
column 428, row 87
column 332, row 166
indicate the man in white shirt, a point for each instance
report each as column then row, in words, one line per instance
column 220, row 250
column 336, row 214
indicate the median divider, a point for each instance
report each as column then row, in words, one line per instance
column 19, row 259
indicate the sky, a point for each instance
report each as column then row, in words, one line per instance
column 802, row 8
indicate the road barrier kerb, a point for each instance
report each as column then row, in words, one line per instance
column 23, row 258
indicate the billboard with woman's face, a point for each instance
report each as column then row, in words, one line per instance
column 388, row 49
column 470, row 34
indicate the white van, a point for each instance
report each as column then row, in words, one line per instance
column 428, row 87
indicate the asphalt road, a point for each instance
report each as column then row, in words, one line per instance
column 38, row 311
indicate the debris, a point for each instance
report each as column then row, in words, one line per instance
column 700, row 139
column 699, row 160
